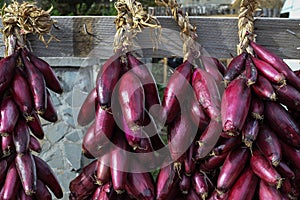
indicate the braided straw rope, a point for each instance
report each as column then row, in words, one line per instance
column 20, row 19
column 130, row 20
column 188, row 31
column 246, row 25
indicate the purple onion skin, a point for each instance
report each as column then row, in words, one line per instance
column 257, row 108
column 208, row 139
column 220, row 65
column 285, row 170
column 22, row 94
column 148, row 82
column 185, row 184
column 189, row 160
column 226, row 144
column 198, row 115
column 267, row 192
column 88, row 109
column 286, row 186
column 232, row 167
column 235, row 68
column 103, row 170
column 119, row 163
column 269, row 145
column 264, row 169
column 250, row 131
column 291, row 154
column 23, row 196
column 107, row 79
column 179, row 135
column 7, row 144
column 211, row 66
column 192, row 195
column 9, row 115
column 133, row 137
column 47, row 176
column 7, row 68
column 200, row 185
column 12, row 183
column 4, row 165
column 21, row 137
column 214, row 61
column 213, row 162
column 216, row 196
column 268, row 71
column 106, row 192
column 84, row 185
column 50, row 113
column 207, row 93
column 35, row 126
column 36, row 84
column 288, row 95
column 175, row 89
column 282, row 123
column 98, row 135
column 132, row 99
column 295, row 190
column 277, row 63
column 140, row 186
column 97, row 194
column 51, row 80
column 150, row 128
column 297, row 72
column 150, row 160
column 235, row 105
column 251, row 72
column 166, row 183
column 263, row 89
column 88, row 146
column 42, row 191
column 26, row 168
column 245, row 186
column 34, row 144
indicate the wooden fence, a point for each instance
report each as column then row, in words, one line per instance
column 91, row 38
column 206, row 10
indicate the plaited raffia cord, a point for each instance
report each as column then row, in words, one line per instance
column 20, row 19
column 246, row 25
column 188, row 31
column 131, row 19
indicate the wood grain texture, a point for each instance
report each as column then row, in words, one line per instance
column 217, row 35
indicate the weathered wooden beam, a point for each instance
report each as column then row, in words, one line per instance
column 217, row 35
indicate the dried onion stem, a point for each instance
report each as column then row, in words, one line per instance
column 20, row 19
column 246, row 25
column 130, row 20
column 188, row 31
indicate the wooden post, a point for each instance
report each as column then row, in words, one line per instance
column 165, row 70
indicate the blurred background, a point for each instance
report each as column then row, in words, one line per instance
column 270, row 8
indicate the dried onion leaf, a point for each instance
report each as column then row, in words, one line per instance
column 131, row 19
column 28, row 18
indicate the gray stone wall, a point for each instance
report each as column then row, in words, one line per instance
column 61, row 147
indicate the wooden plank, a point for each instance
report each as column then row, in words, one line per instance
column 217, row 35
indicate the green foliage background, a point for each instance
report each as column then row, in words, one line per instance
column 80, row 7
